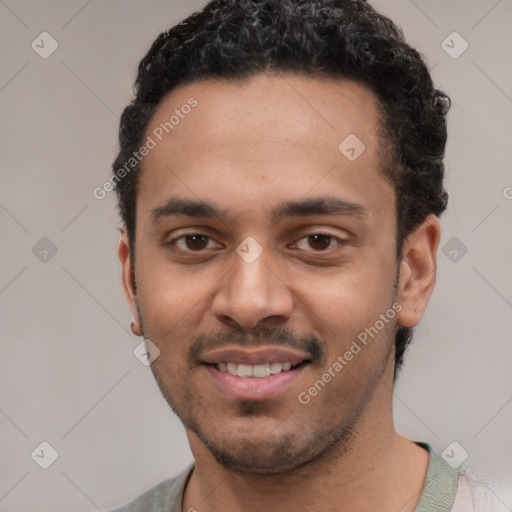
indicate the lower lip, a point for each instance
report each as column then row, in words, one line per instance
column 253, row 388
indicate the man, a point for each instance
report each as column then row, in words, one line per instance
column 280, row 181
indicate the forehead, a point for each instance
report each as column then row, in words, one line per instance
column 270, row 135
column 313, row 110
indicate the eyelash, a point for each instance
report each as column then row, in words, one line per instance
column 175, row 241
column 339, row 241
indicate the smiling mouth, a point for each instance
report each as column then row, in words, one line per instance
column 257, row 371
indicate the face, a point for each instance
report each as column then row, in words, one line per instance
column 262, row 249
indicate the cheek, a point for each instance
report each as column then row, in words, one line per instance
column 351, row 296
column 168, row 295
column 346, row 308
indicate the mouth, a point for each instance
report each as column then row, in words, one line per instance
column 258, row 374
column 256, row 371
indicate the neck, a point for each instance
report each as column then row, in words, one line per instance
column 376, row 469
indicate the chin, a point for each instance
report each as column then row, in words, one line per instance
column 265, row 454
column 261, row 456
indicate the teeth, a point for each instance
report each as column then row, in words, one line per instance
column 258, row 371
column 244, row 370
column 275, row 368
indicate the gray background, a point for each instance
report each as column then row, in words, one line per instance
column 68, row 375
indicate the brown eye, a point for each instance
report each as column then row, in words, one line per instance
column 319, row 241
column 196, row 242
column 194, row 245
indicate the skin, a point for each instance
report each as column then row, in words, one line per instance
column 340, row 451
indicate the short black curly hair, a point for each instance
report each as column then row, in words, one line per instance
column 234, row 39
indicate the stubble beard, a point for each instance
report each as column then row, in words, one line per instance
column 273, row 456
column 287, row 453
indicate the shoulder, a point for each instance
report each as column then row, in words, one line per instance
column 166, row 496
column 449, row 487
column 481, row 493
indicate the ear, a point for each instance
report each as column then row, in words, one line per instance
column 128, row 280
column 418, row 271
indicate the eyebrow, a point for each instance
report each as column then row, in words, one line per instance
column 177, row 206
column 319, row 206
column 186, row 207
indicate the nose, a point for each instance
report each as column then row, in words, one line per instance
column 252, row 296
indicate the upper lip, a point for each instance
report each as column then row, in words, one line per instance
column 256, row 355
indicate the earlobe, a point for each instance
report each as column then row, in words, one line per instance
column 418, row 271
column 128, row 281
column 136, row 328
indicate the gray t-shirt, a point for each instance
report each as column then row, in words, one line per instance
column 445, row 490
